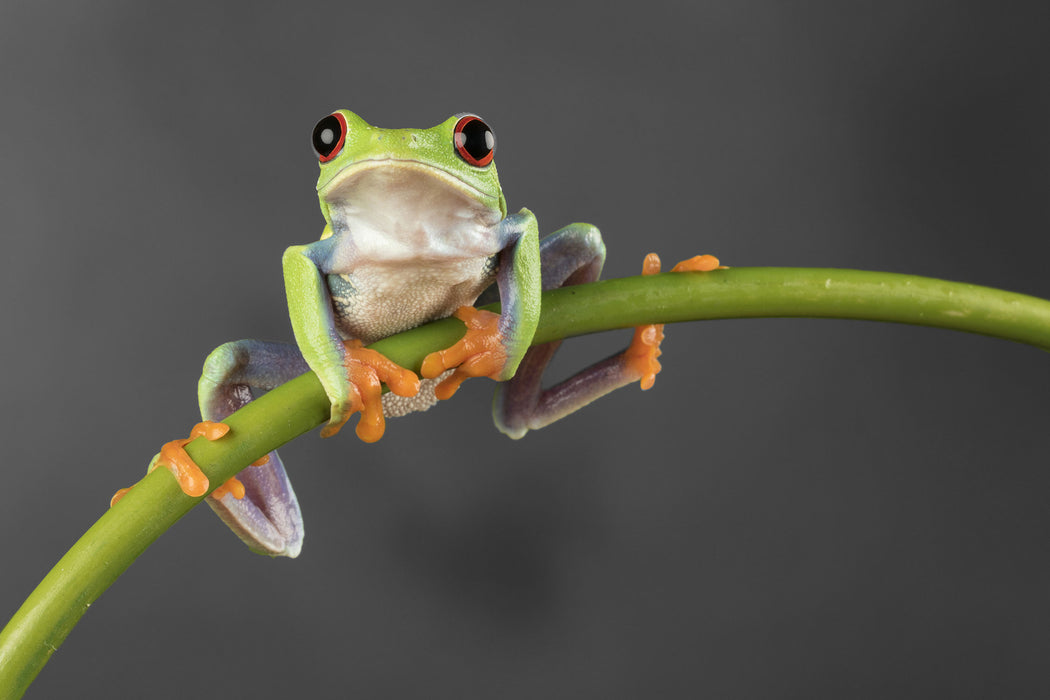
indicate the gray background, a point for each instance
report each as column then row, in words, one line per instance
column 797, row 509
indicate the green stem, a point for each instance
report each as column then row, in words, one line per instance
column 156, row 502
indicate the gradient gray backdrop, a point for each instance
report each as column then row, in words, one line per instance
column 797, row 509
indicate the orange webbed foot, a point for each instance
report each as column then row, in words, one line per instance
column 173, row 455
column 367, row 370
column 479, row 353
column 641, row 354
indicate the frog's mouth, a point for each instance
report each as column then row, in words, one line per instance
column 402, row 209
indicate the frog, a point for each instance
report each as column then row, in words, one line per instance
column 417, row 228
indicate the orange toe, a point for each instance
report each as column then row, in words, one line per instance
column 367, row 370
column 479, row 353
column 117, row 496
column 698, row 263
column 233, row 486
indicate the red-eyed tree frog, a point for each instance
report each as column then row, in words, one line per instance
column 416, row 229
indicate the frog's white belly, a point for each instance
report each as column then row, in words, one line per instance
column 378, row 300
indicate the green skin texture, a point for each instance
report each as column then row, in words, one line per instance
column 412, row 232
column 307, row 294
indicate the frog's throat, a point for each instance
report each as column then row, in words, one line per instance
column 342, row 177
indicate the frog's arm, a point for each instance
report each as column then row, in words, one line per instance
column 313, row 320
column 495, row 345
column 520, row 285
column 350, row 374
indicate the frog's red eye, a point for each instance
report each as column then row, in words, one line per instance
column 474, row 141
column 329, row 135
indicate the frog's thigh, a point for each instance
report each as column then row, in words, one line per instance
column 268, row 518
column 237, row 372
column 571, row 255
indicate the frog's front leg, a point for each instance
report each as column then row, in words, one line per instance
column 259, row 505
column 495, row 344
column 575, row 255
column 351, row 374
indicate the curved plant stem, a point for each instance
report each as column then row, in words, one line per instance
column 156, row 503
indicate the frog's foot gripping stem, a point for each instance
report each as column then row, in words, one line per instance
column 522, row 404
column 479, row 353
column 367, row 370
column 173, row 455
column 233, row 485
column 641, row 354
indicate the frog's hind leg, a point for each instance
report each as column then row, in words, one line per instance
column 266, row 514
column 572, row 255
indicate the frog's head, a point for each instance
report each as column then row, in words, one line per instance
column 448, row 164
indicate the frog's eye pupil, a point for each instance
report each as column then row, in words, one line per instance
column 329, row 135
column 474, row 141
